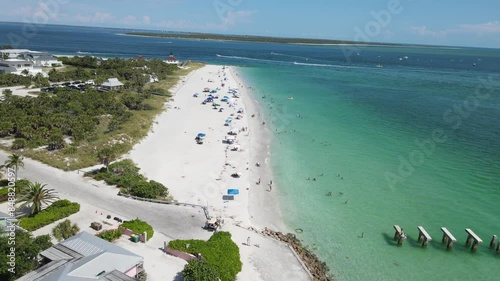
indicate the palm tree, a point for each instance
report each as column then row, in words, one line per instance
column 15, row 161
column 36, row 194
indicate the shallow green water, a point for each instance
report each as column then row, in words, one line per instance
column 359, row 123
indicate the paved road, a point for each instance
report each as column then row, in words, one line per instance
column 176, row 222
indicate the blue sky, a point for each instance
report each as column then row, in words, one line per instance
column 440, row 22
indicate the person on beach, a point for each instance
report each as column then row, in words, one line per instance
column 248, row 241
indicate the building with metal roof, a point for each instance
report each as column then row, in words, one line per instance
column 86, row 257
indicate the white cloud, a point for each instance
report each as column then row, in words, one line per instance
column 97, row 17
column 177, row 24
column 234, row 17
column 480, row 29
column 424, row 31
column 146, row 20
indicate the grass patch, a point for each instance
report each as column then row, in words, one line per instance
column 110, row 235
column 220, row 252
column 58, row 210
column 138, row 226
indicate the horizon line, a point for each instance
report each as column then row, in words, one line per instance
column 387, row 44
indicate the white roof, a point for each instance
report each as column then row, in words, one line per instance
column 83, row 257
column 17, row 60
column 16, row 51
column 112, row 82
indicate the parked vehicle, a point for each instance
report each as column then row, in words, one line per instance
column 213, row 224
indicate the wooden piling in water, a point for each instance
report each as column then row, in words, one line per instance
column 399, row 234
column 448, row 238
column 493, row 241
column 472, row 236
column 423, row 236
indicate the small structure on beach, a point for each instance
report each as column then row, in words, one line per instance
column 171, row 59
column 112, row 84
column 200, row 138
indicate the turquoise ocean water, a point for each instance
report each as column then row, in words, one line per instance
column 406, row 136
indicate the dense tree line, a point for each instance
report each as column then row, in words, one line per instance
column 8, row 80
column 252, row 38
column 47, row 119
column 26, row 253
column 133, row 73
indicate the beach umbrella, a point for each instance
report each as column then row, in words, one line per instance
column 201, row 135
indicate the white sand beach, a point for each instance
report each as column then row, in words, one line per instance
column 201, row 173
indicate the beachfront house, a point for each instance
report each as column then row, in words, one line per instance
column 87, row 257
column 39, row 59
column 45, row 60
column 112, row 84
column 12, row 53
column 171, row 59
column 18, row 66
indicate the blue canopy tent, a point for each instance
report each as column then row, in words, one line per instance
column 233, row 191
column 201, row 135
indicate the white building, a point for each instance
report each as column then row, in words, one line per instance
column 13, row 53
column 171, row 59
column 85, row 257
column 112, row 84
column 38, row 58
column 17, row 66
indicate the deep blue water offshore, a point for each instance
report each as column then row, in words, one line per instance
column 402, row 135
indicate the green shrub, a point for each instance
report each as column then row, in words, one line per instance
column 58, row 210
column 19, row 144
column 125, row 174
column 138, row 226
column 110, row 235
column 220, row 252
column 4, row 189
column 197, row 270
column 65, row 230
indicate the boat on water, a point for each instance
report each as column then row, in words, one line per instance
column 379, row 65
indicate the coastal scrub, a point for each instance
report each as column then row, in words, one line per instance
column 219, row 252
